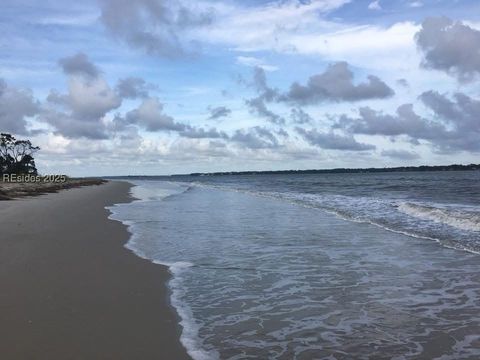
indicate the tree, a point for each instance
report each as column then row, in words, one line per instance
column 16, row 156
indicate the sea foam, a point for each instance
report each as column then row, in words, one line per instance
column 464, row 220
column 143, row 192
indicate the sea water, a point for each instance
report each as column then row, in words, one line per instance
column 320, row 266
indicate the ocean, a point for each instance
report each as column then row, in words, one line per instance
column 317, row 266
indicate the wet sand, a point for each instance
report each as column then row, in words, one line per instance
column 70, row 290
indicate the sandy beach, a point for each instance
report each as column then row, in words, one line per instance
column 70, row 290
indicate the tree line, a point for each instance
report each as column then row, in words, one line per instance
column 453, row 167
column 16, row 156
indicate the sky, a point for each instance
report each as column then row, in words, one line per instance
column 157, row 87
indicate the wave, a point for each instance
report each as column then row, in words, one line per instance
column 145, row 190
column 406, row 218
column 463, row 220
column 190, row 328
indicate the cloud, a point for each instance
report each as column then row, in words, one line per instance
column 255, row 62
column 463, row 111
column 200, row 133
column 400, row 154
column 336, row 84
column 461, row 115
column 196, row 149
column 403, row 82
column 73, row 128
column 309, row 28
column 129, row 138
column 132, row 88
column 257, row 106
column 453, row 127
column 219, row 112
column 282, row 133
column 404, row 122
column 450, row 46
column 16, row 105
column 154, row 26
column 299, row 116
column 150, row 116
column 375, row 5
column 415, row 4
column 256, row 138
column 272, row 25
column 69, row 19
column 332, row 141
column 79, row 64
column 91, row 99
column 261, row 86
column 80, row 112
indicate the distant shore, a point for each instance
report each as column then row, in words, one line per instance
column 70, row 290
column 422, row 168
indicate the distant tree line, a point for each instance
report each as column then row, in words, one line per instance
column 454, row 167
column 16, row 156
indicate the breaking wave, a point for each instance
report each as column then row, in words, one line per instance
column 460, row 219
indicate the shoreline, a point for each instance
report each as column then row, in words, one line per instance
column 71, row 289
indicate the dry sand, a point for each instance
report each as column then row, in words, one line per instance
column 70, row 290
